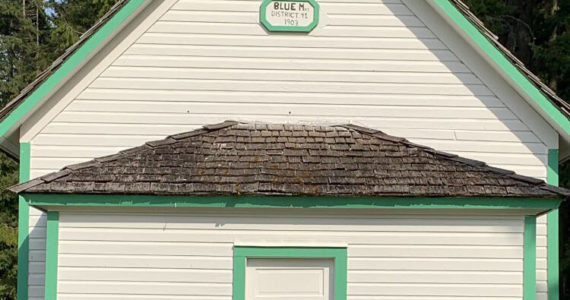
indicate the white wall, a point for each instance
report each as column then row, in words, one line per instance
column 368, row 62
column 383, row 64
column 154, row 256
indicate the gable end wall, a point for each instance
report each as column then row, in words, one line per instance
column 193, row 62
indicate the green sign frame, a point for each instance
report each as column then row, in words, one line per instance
column 271, row 27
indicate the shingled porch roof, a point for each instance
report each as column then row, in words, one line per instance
column 234, row 158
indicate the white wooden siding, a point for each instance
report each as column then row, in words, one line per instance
column 111, row 256
column 374, row 63
column 378, row 63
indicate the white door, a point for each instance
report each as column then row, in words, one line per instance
column 289, row 279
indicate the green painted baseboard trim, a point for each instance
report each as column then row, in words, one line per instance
column 529, row 258
column 62, row 200
column 242, row 253
column 552, row 254
column 52, row 245
column 23, row 225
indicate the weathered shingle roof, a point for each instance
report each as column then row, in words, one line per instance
column 273, row 159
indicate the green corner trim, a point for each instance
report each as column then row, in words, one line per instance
column 242, row 253
column 52, row 238
column 23, row 225
column 529, row 258
column 271, row 27
column 552, row 253
column 505, row 64
column 62, row 200
column 69, row 65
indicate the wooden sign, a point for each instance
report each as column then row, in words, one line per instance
column 289, row 15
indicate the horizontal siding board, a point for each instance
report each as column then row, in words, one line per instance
column 145, row 288
column 290, row 41
column 395, row 276
column 374, row 21
column 81, row 296
column 257, row 30
column 412, row 289
column 71, row 140
column 301, row 53
column 375, row 238
column 37, row 243
column 37, row 256
column 261, row 63
column 290, row 75
column 144, row 275
column 124, row 95
column 436, row 251
column 146, row 248
column 513, row 136
column 146, row 261
column 287, row 109
column 307, row 87
column 431, row 264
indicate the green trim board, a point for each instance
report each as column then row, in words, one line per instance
column 63, row 200
column 552, row 253
column 69, row 65
column 499, row 58
column 529, row 258
column 23, row 225
column 52, row 244
column 242, row 253
column 289, row 28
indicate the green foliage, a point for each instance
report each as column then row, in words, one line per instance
column 8, row 228
column 495, row 14
column 21, row 38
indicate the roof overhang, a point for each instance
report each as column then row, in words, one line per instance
column 524, row 82
column 65, row 67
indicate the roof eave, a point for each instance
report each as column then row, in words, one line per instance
column 16, row 112
column 520, row 78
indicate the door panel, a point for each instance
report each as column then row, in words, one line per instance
column 288, row 279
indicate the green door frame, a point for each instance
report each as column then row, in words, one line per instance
column 242, row 253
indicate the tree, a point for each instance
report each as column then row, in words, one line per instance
column 23, row 31
column 8, row 229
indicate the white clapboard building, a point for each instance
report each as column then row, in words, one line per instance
column 288, row 149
